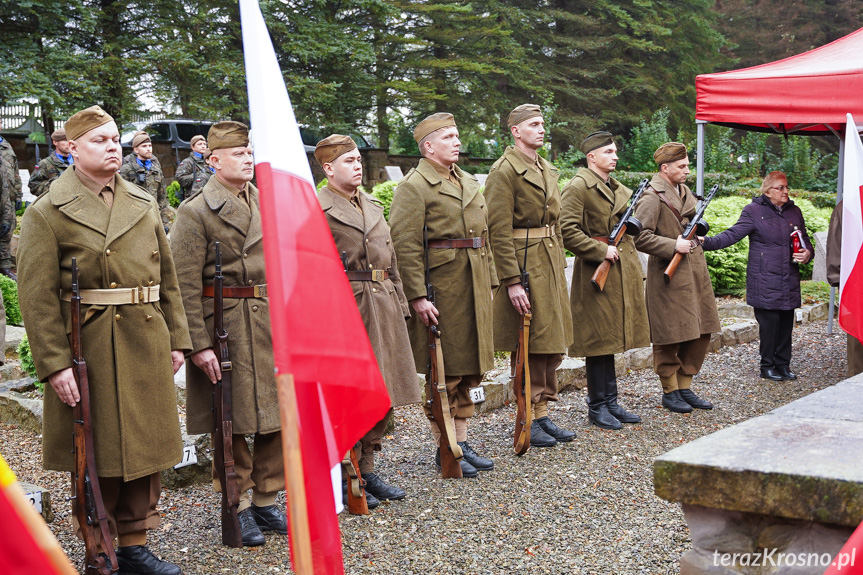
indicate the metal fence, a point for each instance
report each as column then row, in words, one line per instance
column 25, row 118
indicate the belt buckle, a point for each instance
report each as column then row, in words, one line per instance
column 477, row 242
column 378, row 275
column 260, row 290
column 137, row 295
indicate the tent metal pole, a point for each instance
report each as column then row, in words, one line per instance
column 830, row 310
column 699, row 160
column 840, row 182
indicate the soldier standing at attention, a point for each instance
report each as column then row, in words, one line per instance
column 682, row 313
column 438, row 195
column 194, row 172
column 132, row 350
column 524, row 206
column 228, row 211
column 142, row 168
column 362, row 236
column 10, row 196
column 50, row 168
column 612, row 320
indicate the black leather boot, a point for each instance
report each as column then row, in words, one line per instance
column 539, row 438
column 467, row 470
column 478, row 461
column 689, row 397
column 138, row 560
column 786, row 373
column 381, row 490
column 270, row 518
column 252, row 536
column 675, row 403
column 550, row 428
column 771, row 373
column 614, row 408
column 597, row 408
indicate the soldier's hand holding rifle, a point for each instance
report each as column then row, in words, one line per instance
column 425, row 310
column 208, row 363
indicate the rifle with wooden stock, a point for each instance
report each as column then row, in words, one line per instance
column 223, row 450
column 436, row 394
column 89, row 505
column 697, row 227
column 627, row 224
column 357, row 504
column 521, row 377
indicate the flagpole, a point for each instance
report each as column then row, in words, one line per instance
column 296, row 490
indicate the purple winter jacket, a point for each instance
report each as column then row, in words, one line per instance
column 772, row 277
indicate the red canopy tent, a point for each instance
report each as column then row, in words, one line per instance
column 806, row 94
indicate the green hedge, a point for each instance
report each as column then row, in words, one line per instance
column 27, row 365
column 10, row 300
column 172, row 192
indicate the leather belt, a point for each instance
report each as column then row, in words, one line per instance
column 238, row 291
column 115, row 296
column 522, row 233
column 603, row 239
column 368, row 276
column 458, row 243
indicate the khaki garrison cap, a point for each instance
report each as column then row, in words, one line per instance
column 596, row 140
column 58, row 135
column 227, row 135
column 141, row 137
column 196, row 139
column 82, row 122
column 332, row 147
column 433, row 123
column 670, row 152
column 522, row 113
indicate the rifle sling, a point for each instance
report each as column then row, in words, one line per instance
column 440, row 386
column 664, row 200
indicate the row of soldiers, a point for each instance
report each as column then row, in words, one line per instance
column 147, row 299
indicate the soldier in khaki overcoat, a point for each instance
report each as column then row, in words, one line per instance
column 50, row 168
column 132, row 349
column 363, row 239
column 228, row 211
column 524, row 209
column 612, row 320
column 439, row 195
column 682, row 313
column 854, row 349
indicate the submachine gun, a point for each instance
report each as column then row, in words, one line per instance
column 521, row 377
column 628, row 224
column 89, row 505
column 436, row 394
column 223, row 450
column 697, row 227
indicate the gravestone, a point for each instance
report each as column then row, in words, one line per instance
column 394, row 173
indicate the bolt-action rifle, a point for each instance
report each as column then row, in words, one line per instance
column 89, row 505
column 697, row 227
column 628, row 224
column 521, row 377
column 436, row 394
column 223, row 450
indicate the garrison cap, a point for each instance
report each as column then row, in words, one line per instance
column 596, row 140
column 82, row 122
column 141, row 137
column 332, row 147
column 522, row 113
column 227, row 135
column 197, row 138
column 669, row 152
column 433, row 123
column 58, row 135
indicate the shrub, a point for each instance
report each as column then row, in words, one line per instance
column 172, row 190
column 27, row 365
column 10, row 300
column 384, row 193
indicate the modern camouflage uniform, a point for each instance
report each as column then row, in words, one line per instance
column 46, row 171
column 152, row 181
column 10, row 193
column 192, row 174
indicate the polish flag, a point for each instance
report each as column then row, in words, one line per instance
column 849, row 560
column 851, row 278
column 319, row 339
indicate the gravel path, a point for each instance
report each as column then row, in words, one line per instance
column 585, row 508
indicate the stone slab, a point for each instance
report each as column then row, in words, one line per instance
column 801, row 461
column 394, row 173
column 20, row 410
column 14, row 335
column 45, row 497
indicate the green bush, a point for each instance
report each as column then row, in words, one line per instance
column 384, row 193
column 173, row 190
column 10, row 300
column 27, row 365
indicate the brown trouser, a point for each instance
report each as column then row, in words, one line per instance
column 130, row 506
column 262, row 471
column 458, row 392
column 684, row 358
column 371, row 442
column 854, row 354
column 543, row 375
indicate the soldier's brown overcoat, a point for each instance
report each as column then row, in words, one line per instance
column 216, row 214
column 462, row 277
column 519, row 196
column 615, row 319
column 127, row 348
column 685, row 309
column 366, row 243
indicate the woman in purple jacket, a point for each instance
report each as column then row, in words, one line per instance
column 773, row 272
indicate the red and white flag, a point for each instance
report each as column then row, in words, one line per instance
column 851, row 278
column 318, row 334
